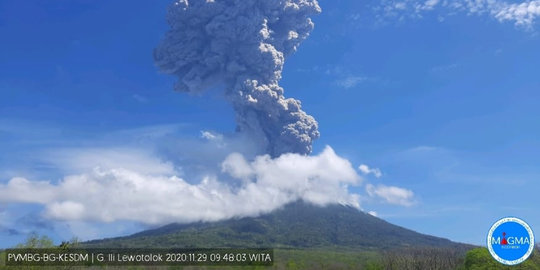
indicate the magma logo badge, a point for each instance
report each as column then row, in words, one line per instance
column 510, row 241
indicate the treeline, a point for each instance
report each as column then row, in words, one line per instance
column 480, row 259
column 447, row 259
column 423, row 258
column 406, row 259
column 36, row 241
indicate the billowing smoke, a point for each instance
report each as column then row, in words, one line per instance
column 243, row 45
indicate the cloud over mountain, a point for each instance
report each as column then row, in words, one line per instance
column 154, row 197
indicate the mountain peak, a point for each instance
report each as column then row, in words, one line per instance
column 295, row 225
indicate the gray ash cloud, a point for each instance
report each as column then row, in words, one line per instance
column 243, row 44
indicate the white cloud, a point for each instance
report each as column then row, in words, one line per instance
column 237, row 167
column 211, row 136
column 521, row 14
column 373, row 213
column 391, row 194
column 365, row 169
column 84, row 159
column 350, row 81
column 217, row 138
column 429, row 4
column 400, row 5
column 146, row 133
column 158, row 196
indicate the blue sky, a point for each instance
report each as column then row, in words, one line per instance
column 441, row 99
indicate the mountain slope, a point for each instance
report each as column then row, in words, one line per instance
column 297, row 225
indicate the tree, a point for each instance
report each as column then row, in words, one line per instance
column 480, row 259
column 36, row 241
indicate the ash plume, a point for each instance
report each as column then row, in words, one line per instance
column 243, row 44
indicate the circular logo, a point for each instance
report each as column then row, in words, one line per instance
column 510, row 241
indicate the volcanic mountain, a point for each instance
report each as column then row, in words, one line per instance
column 296, row 225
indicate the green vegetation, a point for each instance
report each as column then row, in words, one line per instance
column 36, row 241
column 403, row 259
column 32, row 241
column 480, row 259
